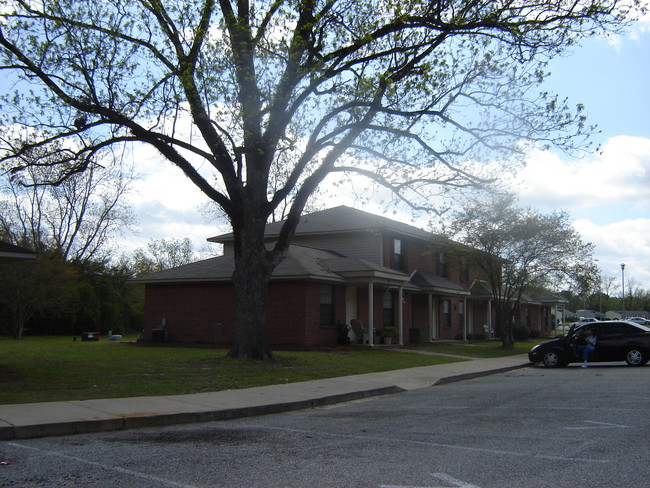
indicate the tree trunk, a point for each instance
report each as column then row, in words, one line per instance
column 507, row 337
column 18, row 320
column 253, row 268
column 250, row 340
column 504, row 321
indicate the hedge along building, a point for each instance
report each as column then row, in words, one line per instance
column 344, row 264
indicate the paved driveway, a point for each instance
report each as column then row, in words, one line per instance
column 534, row 427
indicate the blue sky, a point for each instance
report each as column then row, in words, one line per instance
column 607, row 193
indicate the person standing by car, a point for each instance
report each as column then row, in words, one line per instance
column 588, row 347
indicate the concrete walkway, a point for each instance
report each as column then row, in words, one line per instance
column 28, row 420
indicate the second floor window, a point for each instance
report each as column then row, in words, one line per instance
column 442, row 265
column 398, row 255
column 464, row 270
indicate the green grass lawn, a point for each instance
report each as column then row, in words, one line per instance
column 39, row 369
column 484, row 349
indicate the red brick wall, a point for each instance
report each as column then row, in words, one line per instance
column 480, row 318
column 194, row 312
column 419, row 257
column 204, row 313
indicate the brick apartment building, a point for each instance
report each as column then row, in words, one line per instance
column 344, row 264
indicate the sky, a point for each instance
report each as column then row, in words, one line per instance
column 607, row 192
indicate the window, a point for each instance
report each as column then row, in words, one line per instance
column 398, row 255
column 442, row 265
column 388, row 309
column 464, row 269
column 461, row 316
column 326, row 305
column 615, row 330
column 446, row 313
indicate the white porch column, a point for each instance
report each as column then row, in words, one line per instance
column 464, row 318
column 400, row 315
column 489, row 319
column 433, row 333
column 430, row 315
column 371, row 319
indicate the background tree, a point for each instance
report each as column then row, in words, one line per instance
column 75, row 218
column 633, row 295
column 162, row 254
column 107, row 301
column 607, row 287
column 44, row 285
column 411, row 95
column 519, row 249
column 69, row 225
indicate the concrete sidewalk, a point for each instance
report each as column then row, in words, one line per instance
column 28, row 420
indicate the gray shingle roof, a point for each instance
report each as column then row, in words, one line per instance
column 433, row 282
column 340, row 219
column 301, row 263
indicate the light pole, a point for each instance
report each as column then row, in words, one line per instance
column 623, row 285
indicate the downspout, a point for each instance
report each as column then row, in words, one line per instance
column 490, row 331
column 465, row 318
column 400, row 315
column 371, row 319
column 431, row 331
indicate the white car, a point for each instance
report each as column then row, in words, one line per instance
column 584, row 320
column 638, row 320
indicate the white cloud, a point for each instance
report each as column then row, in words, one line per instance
column 166, row 204
column 608, row 194
column 619, row 173
column 625, row 241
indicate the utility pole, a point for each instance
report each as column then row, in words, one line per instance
column 623, row 285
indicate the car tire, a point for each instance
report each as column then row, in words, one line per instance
column 636, row 357
column 553, row 359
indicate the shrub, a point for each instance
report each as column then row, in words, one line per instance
column 520, row 332
column 390, row 332
column 415, row 335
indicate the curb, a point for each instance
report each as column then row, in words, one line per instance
column 479, row 374
column 128, row 422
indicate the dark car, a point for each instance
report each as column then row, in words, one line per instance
column 615, row 341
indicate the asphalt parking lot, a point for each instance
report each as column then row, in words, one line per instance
column 531, row 427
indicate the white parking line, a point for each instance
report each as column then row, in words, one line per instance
column 154, row 479
column 393, row 440
column 445, row 478
column 598, row 425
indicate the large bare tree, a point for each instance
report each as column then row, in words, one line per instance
column 410, row 94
